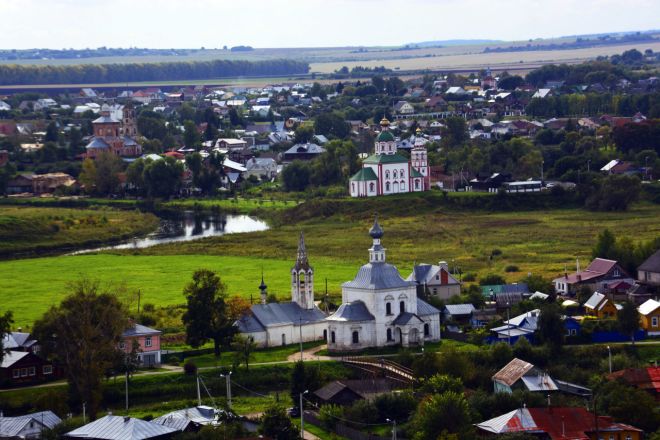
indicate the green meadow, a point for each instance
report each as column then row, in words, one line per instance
column 417, row 229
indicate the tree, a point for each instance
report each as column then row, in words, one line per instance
column 616, row 193
column 6, row 173
column 135, row 176
column 6, row 321
column 455, row 131
column 437, row 413
column 206, row 316
column 295, row 176
column 441, row 383
column 304, row 134
column 162, row 178
column 550, row 326
column 511, row 82
column 190, row 135
column 52, row 133
column 628, row 320
column 82, row 333
column 108, row 167
column 243, row 347
column 275, row 423
column 87, row 176
column 303, row 378
column 605, row 247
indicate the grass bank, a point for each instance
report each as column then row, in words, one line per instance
column 32, row 230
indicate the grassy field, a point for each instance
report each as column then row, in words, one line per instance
column 28, row 229
column 540, row 242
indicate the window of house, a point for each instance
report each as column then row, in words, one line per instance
column 122, row 345
column 353, row 186
column 616, row 272
column 435, row 290
column 387, row 174
column 427, row 330
column 283, row 339
column 332, row 337
column 16, row 373
column 389, row 334
column 387, row 186
column 147, row 341
column 24, row 372
column 388, row 308
column 356, row 337
column 416, row 184
column 47, row 369
column 403, row 185
column 402, row 306
column 394, row 174
column 371, row 187
column 32, row 371
column 654, row 321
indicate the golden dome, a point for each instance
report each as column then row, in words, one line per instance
column 418, row 131
column 384, row 122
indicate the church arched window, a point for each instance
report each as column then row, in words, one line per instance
column 402, row 306
column 388, row 308
column 387, row 186
column 389, row 334
column 387, row 174
column 416, row 183
column 332, row 336
column 402, row 185
column 283, row 339
column 371, row 187
column 427, row 330
column 402, row 173
column 394, row 174
column 356, row 337
column 353, row 186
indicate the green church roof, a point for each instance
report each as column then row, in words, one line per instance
column 364, row 175
column 415, row 173
column 385, row 158
column 385, row 136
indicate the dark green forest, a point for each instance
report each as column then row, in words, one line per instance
column 12, row 74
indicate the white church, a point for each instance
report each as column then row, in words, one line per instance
column 387, row 172
column 379, row 308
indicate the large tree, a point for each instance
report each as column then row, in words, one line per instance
column 162, row 178
column 447, row 412
column 83, row 335
column 550, row 327
column 206, row 317
column 275, row 423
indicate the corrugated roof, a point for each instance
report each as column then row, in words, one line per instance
column 180, row 419
column 405, row 318
column 364, row 175
column 120, row 428
column 601, row 265
column 513, row 371
column 425, row 309
column 518, row 420
column 12, row 357
column 459, row 309
column 649, row 306
column 139, row 330
column 353, row 311
column 385, row 158
column 11, row 427
column 594, row 300
column 378, row 276
column 248, row 324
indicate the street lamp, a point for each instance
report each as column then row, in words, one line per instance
column 393, row 422
column 508, row 324
column 302, row 414
column 609, row 352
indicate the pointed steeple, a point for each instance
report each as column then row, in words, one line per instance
column 377, row 251
column 301, row 259
column 376, row 231
column 263, row 288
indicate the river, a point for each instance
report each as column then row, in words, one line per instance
column 187, row 226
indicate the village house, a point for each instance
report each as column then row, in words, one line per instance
column 601, row 307
column 189, row 419
column 436, row 280
column 39, row 183
column 649, row 314
column 558, row 423
column 597, row 277
column 645, row 378
column 457, row 313
column 305, row 152
column 522, row 375
column 404, row 108
column 121, row 428
column 265, row 167
column 649, row 271
column 26, row 368
column 147, row 342
column 347, row 392
column 30, row 426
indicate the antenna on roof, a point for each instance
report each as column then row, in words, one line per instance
column 577, row 262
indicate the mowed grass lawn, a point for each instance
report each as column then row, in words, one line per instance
column 539, row 242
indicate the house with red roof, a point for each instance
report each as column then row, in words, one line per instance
column 559, row 424
column 647, row 379
column 599, row 276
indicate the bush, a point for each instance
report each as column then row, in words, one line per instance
column 468, row 277
column 330, row 415
column 397, row 406
column 512, row 268
column 495, row 252
column 190, row 368
column 491, row 279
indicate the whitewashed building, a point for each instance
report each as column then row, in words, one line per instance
column 387, row 172
column 380, row 308
column 275, row 324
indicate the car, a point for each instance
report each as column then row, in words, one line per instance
column 293, row 412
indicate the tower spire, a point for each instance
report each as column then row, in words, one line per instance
column 263, row 288
column 301, row 259
column 377, row 251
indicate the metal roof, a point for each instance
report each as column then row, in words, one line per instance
column 513, row 371
column 594, row 300
column 515, row 421
column 120, row 428
column 648, row 307
column 425, row 309
column 180, row 419
column 353, row 311
column 385, row 158
column 12, row 357
column 459, row 309
column 249, row 324
column 651, row 264
column 285, row 313
column 97, row 142
column 11, row 427
column 378, row 276
column 16, row 339
column 364, row 175
column 405, row 318
column 139, row 330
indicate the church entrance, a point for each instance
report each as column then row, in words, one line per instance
column 400, row 336
column 325, row 335
column 414, row 336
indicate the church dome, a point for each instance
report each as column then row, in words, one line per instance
column 376, row 231
column 385, row 136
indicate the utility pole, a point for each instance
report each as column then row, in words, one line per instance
column 139, row 297
column 609, row 352
column 393, row 428
column 228, row 387
column 508, row 324
column 84, row 413
column 199, row 394
column 126, row 384
column 302, row 414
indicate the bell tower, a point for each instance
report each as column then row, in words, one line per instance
column 302, row 278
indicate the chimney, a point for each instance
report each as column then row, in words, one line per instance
column 579, row 278
column 19, row 329
column 127, row 419
column 444, row 265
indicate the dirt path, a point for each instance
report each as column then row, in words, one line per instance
column 310, row 355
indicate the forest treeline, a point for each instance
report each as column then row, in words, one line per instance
column 13, row 74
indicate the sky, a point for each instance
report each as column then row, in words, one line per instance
column 77, row 24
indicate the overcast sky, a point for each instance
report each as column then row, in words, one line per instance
column 306, row 23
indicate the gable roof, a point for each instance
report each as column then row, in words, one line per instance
column 366, row 174
column 406, row 318
column 513, row 371
column 648, row 307
column 12, row 357
column 647, row 378
column 120, row 428
column 283, row 313
column 425, row 309
column 459, row 309
column 12, row 426
column 180, row 419
column 652, row 263
column 353, row 311
column 595, row 300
